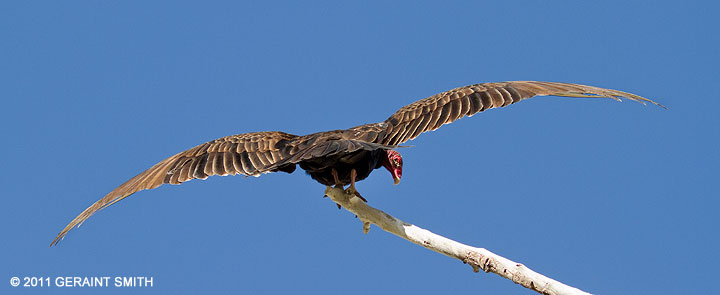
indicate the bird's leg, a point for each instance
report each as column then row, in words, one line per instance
column 337, row 178
column 337, row 183
column 351, row 189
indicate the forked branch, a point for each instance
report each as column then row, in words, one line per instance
column 478, row 258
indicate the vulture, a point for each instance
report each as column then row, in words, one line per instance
column 339, row 157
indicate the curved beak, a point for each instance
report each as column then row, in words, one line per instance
column 397, row 180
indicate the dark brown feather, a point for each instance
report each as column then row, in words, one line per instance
column 218, row 157
column 430, row 113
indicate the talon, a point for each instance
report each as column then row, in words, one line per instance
column 351, row 189
column 339, row 207
column 361, row 197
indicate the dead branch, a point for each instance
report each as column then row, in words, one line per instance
column 478, row 258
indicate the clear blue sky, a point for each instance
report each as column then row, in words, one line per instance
column 613, row 198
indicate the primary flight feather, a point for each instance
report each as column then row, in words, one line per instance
column 338, row 157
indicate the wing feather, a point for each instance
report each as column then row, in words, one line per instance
column 430, row 113
column 246, row 164
column 248, row 154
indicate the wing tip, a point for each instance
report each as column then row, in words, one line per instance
column 57, row 239
column 83, row 216
column 638, row 98
column 75, row 223
column 613, row 94
column 61, row 235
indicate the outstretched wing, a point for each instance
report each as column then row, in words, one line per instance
column 430, row 113
column 247, row 154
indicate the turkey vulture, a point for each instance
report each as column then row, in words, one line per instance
column 338, row 157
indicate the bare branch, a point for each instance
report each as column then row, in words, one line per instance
column 478, row 258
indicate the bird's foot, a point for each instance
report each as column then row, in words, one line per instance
column 352, row 191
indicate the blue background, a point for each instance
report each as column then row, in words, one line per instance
column 613, row 198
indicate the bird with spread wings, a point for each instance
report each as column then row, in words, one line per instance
column 339, row 157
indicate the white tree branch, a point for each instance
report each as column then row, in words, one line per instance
column 478, row 258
